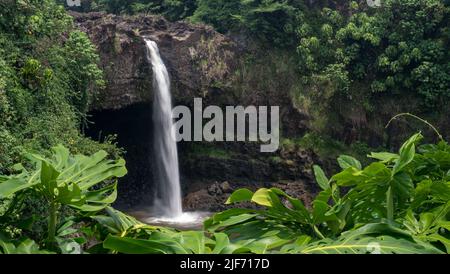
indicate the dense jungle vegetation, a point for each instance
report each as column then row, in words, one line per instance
column 400, row 203
column 58, row 186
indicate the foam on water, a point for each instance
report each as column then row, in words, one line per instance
column 184, row 218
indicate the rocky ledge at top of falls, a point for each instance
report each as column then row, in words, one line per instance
column 197, row 57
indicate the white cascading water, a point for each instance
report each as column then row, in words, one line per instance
column 167, row 203
column 168, row 194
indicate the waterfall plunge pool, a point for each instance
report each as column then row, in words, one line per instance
column 184, row 221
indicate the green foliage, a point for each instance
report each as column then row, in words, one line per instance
column 221, row 14
column 127, row 235
column 364, row 240
column 269, row 20
column 77, row 60
column 120, row 224
column 326, row 148
column 48, row 75
column 21, row 246
column 321, row 178
column 346, row 53
column 30, row 20
column 348, row 58
column 273, row 21
column 397, row 50
column 185, row 242
column 172, row 9
column 63, row 179
column 400, row 203
column 67, row 179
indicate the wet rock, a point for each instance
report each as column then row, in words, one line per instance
column 209, row 199
column 226, row 188
column 215, row 189
column 202, row 200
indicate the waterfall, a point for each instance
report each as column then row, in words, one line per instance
column 168, row 194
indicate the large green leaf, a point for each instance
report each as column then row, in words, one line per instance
column 259, row 231
column 346, row 161
column 403, row 186
column 21, row 246
column 407, row 152
column 431, row 226
column 12, row 184
column 376, row 238
column 136, row 246
column 322, row 211
column 262, row 197
column 272, row 199
column 121, row 224
column 301, row 241
column 349, row 177
column 69, row 180
column 429, row 192
column 367, row 245
column 222, row 244
column 384, row 157
column 321, row 178
column 240, row 195
column 172, row 242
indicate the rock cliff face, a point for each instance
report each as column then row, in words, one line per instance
column 201, row 63
column 197, row 57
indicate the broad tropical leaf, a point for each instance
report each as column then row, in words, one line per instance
column 370, row 239
column 321, row 178
column 69, row 180
column 21, row 246
column 346, row 161
column 367, row 245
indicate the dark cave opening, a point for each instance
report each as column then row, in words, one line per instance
column 133, row 127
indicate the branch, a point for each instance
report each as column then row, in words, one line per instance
column 418, row 118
